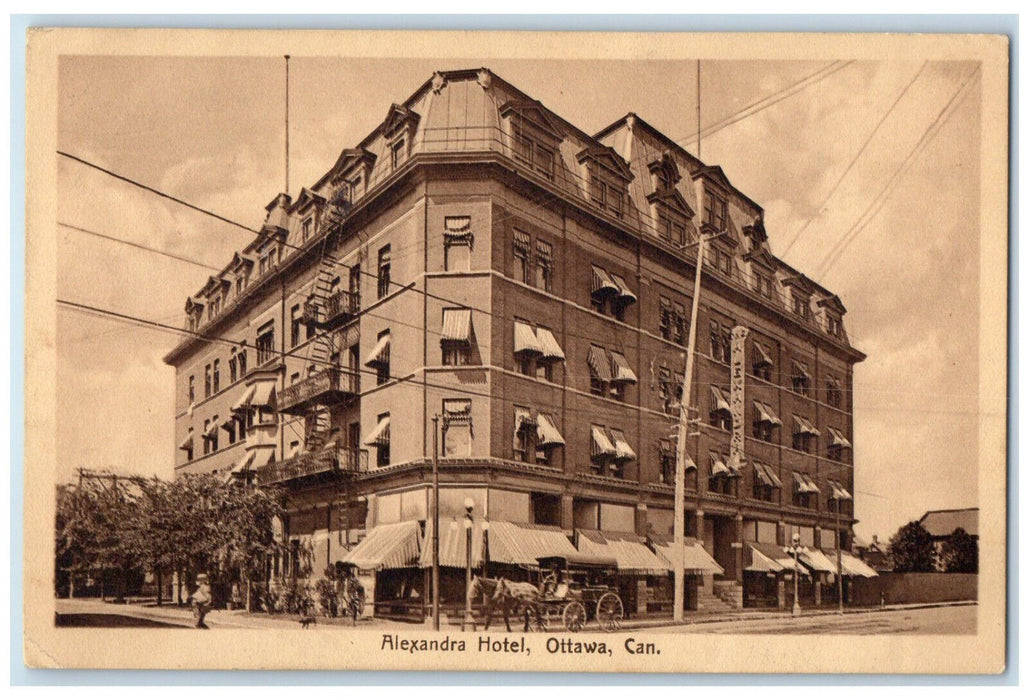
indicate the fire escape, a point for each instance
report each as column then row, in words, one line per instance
column 331, row 384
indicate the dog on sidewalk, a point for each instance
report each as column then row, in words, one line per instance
column 307, row 621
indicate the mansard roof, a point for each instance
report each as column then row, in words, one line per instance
column 608, row 158
column 533, row 111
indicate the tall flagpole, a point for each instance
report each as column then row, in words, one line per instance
column 287, row 123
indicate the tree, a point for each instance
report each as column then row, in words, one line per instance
column 960, row 553
column 911, row 549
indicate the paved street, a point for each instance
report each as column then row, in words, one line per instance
column 959, row 619
column 945, row 619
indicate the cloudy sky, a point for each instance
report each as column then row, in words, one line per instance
column 209, row 130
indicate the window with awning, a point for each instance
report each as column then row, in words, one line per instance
column 600, row 368
column 762, row 356
column 765, row 414
column 800, row 370
column 624, row 294
column 603, row 285
column 379, row 356
column 457, row 326
column 836, row 438
column 718, row 401
column 523, row 419
column 620, row 369
column 525, row 340
column 804, row 483
column 212, row 429
column 264, row 394
column 767, row 475
column 393, row 546
column 718, row 466
column 623, row 451
column 600, row 443
column 838, row 493
column 379, row 436
column 457, row 230
column 551, row 350
column 802, row 426
column 245, row 399
column 547, row 434
column 187, row 444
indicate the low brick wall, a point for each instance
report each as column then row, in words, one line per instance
column 916, row 588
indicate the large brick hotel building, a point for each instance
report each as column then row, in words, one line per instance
column 479, row 258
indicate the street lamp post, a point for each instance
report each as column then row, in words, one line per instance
column 839, row 557
column 469, row 504
column 795, row 541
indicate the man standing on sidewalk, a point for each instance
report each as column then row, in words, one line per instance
column 202, row 599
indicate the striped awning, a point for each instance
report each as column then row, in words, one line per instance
column 623, row 451
column 523, row 545
column 800, row 370
column 393, row 546
column 762, row 475
column 718, row 400
column 547, row 434
column 598, row 363
column 816, row 561
column 600, row 444
column 777, row 554
column 453, row 545
column 264, row 393
column 836, row 438
column 602, row 283
column 718, row 466
column 625, row 294
column 770, row 477
column 851, row 565
column 762, row 563
column 761, row 355
column 696, row 560
column 551, row 349
column 379, row 437
column 212, row 428
column 187, row 444
column 838, row 492
column 229, row 424
column 457, row 326
column 457, row 228
column 244, row 465
column 620, row 369
column 630, row 553
column 243, row 402
column 765, row 414
column 805, row 484
column 379, row 355
column 803, row 427
column 525, row 339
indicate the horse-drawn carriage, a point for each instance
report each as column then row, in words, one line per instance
column 578, row 589
column 573, row 590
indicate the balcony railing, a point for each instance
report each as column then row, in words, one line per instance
column 339, row 307
column 328, row 460
column 325, row 388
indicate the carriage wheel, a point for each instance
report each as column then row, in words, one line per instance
column 540, row 624
column 610, row 612
column 574, row 616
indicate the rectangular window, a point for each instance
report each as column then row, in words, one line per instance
column 266, row 343
column 397, row 153
column 382, row 366
column 522, row 256
column 801, row 306
column 216, row 381
column 355, row 285
column 207, row 381
column 833, row 393
column 232, row 370
column 384, row 271
column 382, row 455
column 665, row 319
column 680, row 323
column 191, row 391
column 305, row 228
column 456, row 256
column 294, row 326
column 715, row 211
column 763, row 430
column 242, row 359
column 544, row 265
column 763, row 285
column 716, row 341
column 207, row 442
column 524, row 435
column 834, row 326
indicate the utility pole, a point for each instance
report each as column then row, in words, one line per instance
column 679, row 526
column 435, row 522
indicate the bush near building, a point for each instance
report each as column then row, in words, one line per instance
column 911, row 549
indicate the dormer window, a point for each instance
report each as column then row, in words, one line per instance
column 606, row 194
column 534, row 136
column 763, row 285
column 671, row 228
column 397, row 152
column 833, row 326
column 530, row 149
column 801, row 305
column 609, row 177
column 715, row 211
column 398, row 130
column 306, row 228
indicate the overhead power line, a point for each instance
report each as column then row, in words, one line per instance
column 140, row 246
column 854, row 160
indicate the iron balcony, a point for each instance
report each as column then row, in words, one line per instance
column 340, row 306
column 326, row 461
column 325, row 388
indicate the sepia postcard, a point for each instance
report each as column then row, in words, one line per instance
column 501, row 351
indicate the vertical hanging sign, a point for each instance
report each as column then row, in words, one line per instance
column 737, row 375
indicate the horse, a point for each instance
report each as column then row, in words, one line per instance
column 507, row 594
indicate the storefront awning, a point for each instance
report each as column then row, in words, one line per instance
column 836, row 438
column 621, row 371
column 523, row 545
column 393, row 546
column 777, row 554
column 453, row 546
column 852, row 566
column 817, row 561
column 625, row 294
column 379, row 436
column 602, row 283
column 599, row 366
column 379, row 356
column 457, row 326
column 631, row 555
column 623, row 451
column 696, row 560
column 547, row 434
column 243, row 402
column 552, row 351
column 525, row 340
column 802, row 426
column 600, row 444
column 718, row 400
column 765, row 414
column 763, row 564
